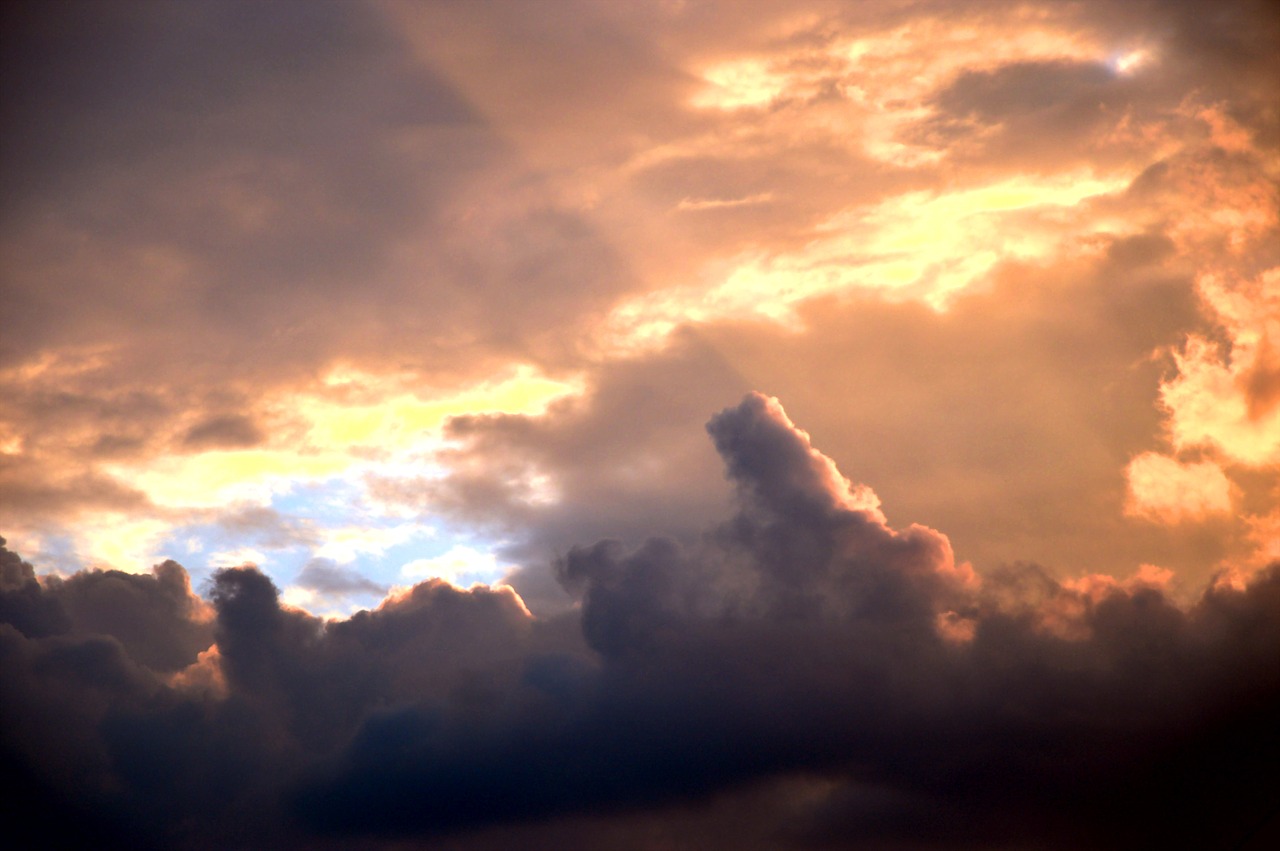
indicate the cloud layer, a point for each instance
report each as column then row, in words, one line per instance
column 852, row 680
column 388, row 332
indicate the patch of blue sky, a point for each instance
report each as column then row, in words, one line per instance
column 392, row 542
column 335, row 501
column 51, row 552
column 203, row 547
column 333, row 520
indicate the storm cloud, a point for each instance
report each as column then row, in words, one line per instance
column 801, row 639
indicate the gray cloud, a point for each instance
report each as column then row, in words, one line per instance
column 221, row 432
column 327, row 577
column 194, row 191
column 157, row 620
column 798, row 639
column 624, row 457
column 267, row 527
column 225, row 172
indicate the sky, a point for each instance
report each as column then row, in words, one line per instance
column 655, row 425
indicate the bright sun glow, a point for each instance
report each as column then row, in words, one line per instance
column 357, row 424
column 341, row 437
column 927, row 245
column 1131, row 61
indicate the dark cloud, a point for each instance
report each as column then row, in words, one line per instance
column 1263, row 380
column 157, row 620
column 328, row 577
column 1021, row 87
column 1230, row 46
column 30, row 491
column 1033, row 113
column 229, row 431
column 800, row 638
column 226, row 171
column 23, row 603
column 847, row 677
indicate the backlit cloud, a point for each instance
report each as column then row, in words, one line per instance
column 320, row 300
column 803, row 637
column 1163, row 489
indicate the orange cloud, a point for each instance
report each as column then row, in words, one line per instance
column 1166, row 490
column 1224, row 397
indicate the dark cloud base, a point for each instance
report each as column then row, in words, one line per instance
column 803, row 676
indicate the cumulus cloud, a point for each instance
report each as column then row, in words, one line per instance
column 303, row 282
column 850, row 678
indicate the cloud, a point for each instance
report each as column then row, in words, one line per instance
column 191, row 194
column 268, row 526
column 1222, row 399
column 155, row 617
column 1163, row 489
column 611, row 462
column 800, row 637
column 459, row 566
column 803, row 637
column 327, row 577
column 507, row 193
column 806, row 544
column 1028, row 398
column 309, row 283
column 221, row 432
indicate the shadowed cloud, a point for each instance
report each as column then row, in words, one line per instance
column 802, row 637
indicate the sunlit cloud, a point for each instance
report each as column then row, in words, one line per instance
column 307, row 599
column 211, row 479
column 1226, row 398
column 347, row 544
column 926, row 245
column 380, row 414
column 355, row 425
column 722, row 203
column 741, row 83
column 887, row 77
column 1263, row 533
column 1131, row 61
column 1208, row 408
column 1169, row 491
column 461, row 565
column 236, row 557
column 393, row 445
column 120, row 542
